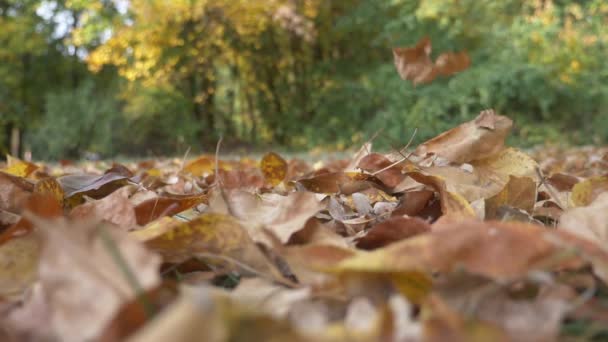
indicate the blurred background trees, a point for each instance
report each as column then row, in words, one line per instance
column 156, row 77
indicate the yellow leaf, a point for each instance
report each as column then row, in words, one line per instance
column 274, row 168
column 18, row 167
column 585, row 192
column 207, row 235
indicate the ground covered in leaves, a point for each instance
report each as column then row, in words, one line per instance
column 458, row 239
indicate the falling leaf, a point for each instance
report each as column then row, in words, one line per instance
column 477, row 139
column 414, row 63
column 274, row 168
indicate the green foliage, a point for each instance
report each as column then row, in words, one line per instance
column 157, row 121
column 302, row 73
column 77, row 121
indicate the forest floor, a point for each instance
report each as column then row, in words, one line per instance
column 460, row 238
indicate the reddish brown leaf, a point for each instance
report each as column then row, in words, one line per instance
column 414, row 63
column 167, row 205
column 394, row 229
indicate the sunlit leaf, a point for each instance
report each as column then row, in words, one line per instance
column 18, row 167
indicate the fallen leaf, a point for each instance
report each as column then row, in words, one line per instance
column 217, row 237
column 103, row 264
column 282, row 215
column 393, row 229
column 13, row 192
column 50, row 186
column 18, row 167
column 590, row 222
column 519, row 192
column 167, row 205
column 477, row 139
column 274, row 168
column 18, row 264
column 585, row 192
column 114, row 208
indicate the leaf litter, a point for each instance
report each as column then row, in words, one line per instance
column 458, row 239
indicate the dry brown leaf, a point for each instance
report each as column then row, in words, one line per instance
column 477, row 139
column 92, row 185
column 590, row 222
column 84, row 300
column 414, row 63
column 215, row 237
column 282, row 215
column 114, row 208
column 520, row 192
column 167, row 205
column 394, row 229
column 483, row 248
column 13, row 192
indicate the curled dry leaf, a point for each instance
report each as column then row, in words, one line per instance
column 78, row 185
column 415, row 64
column 477, row 139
